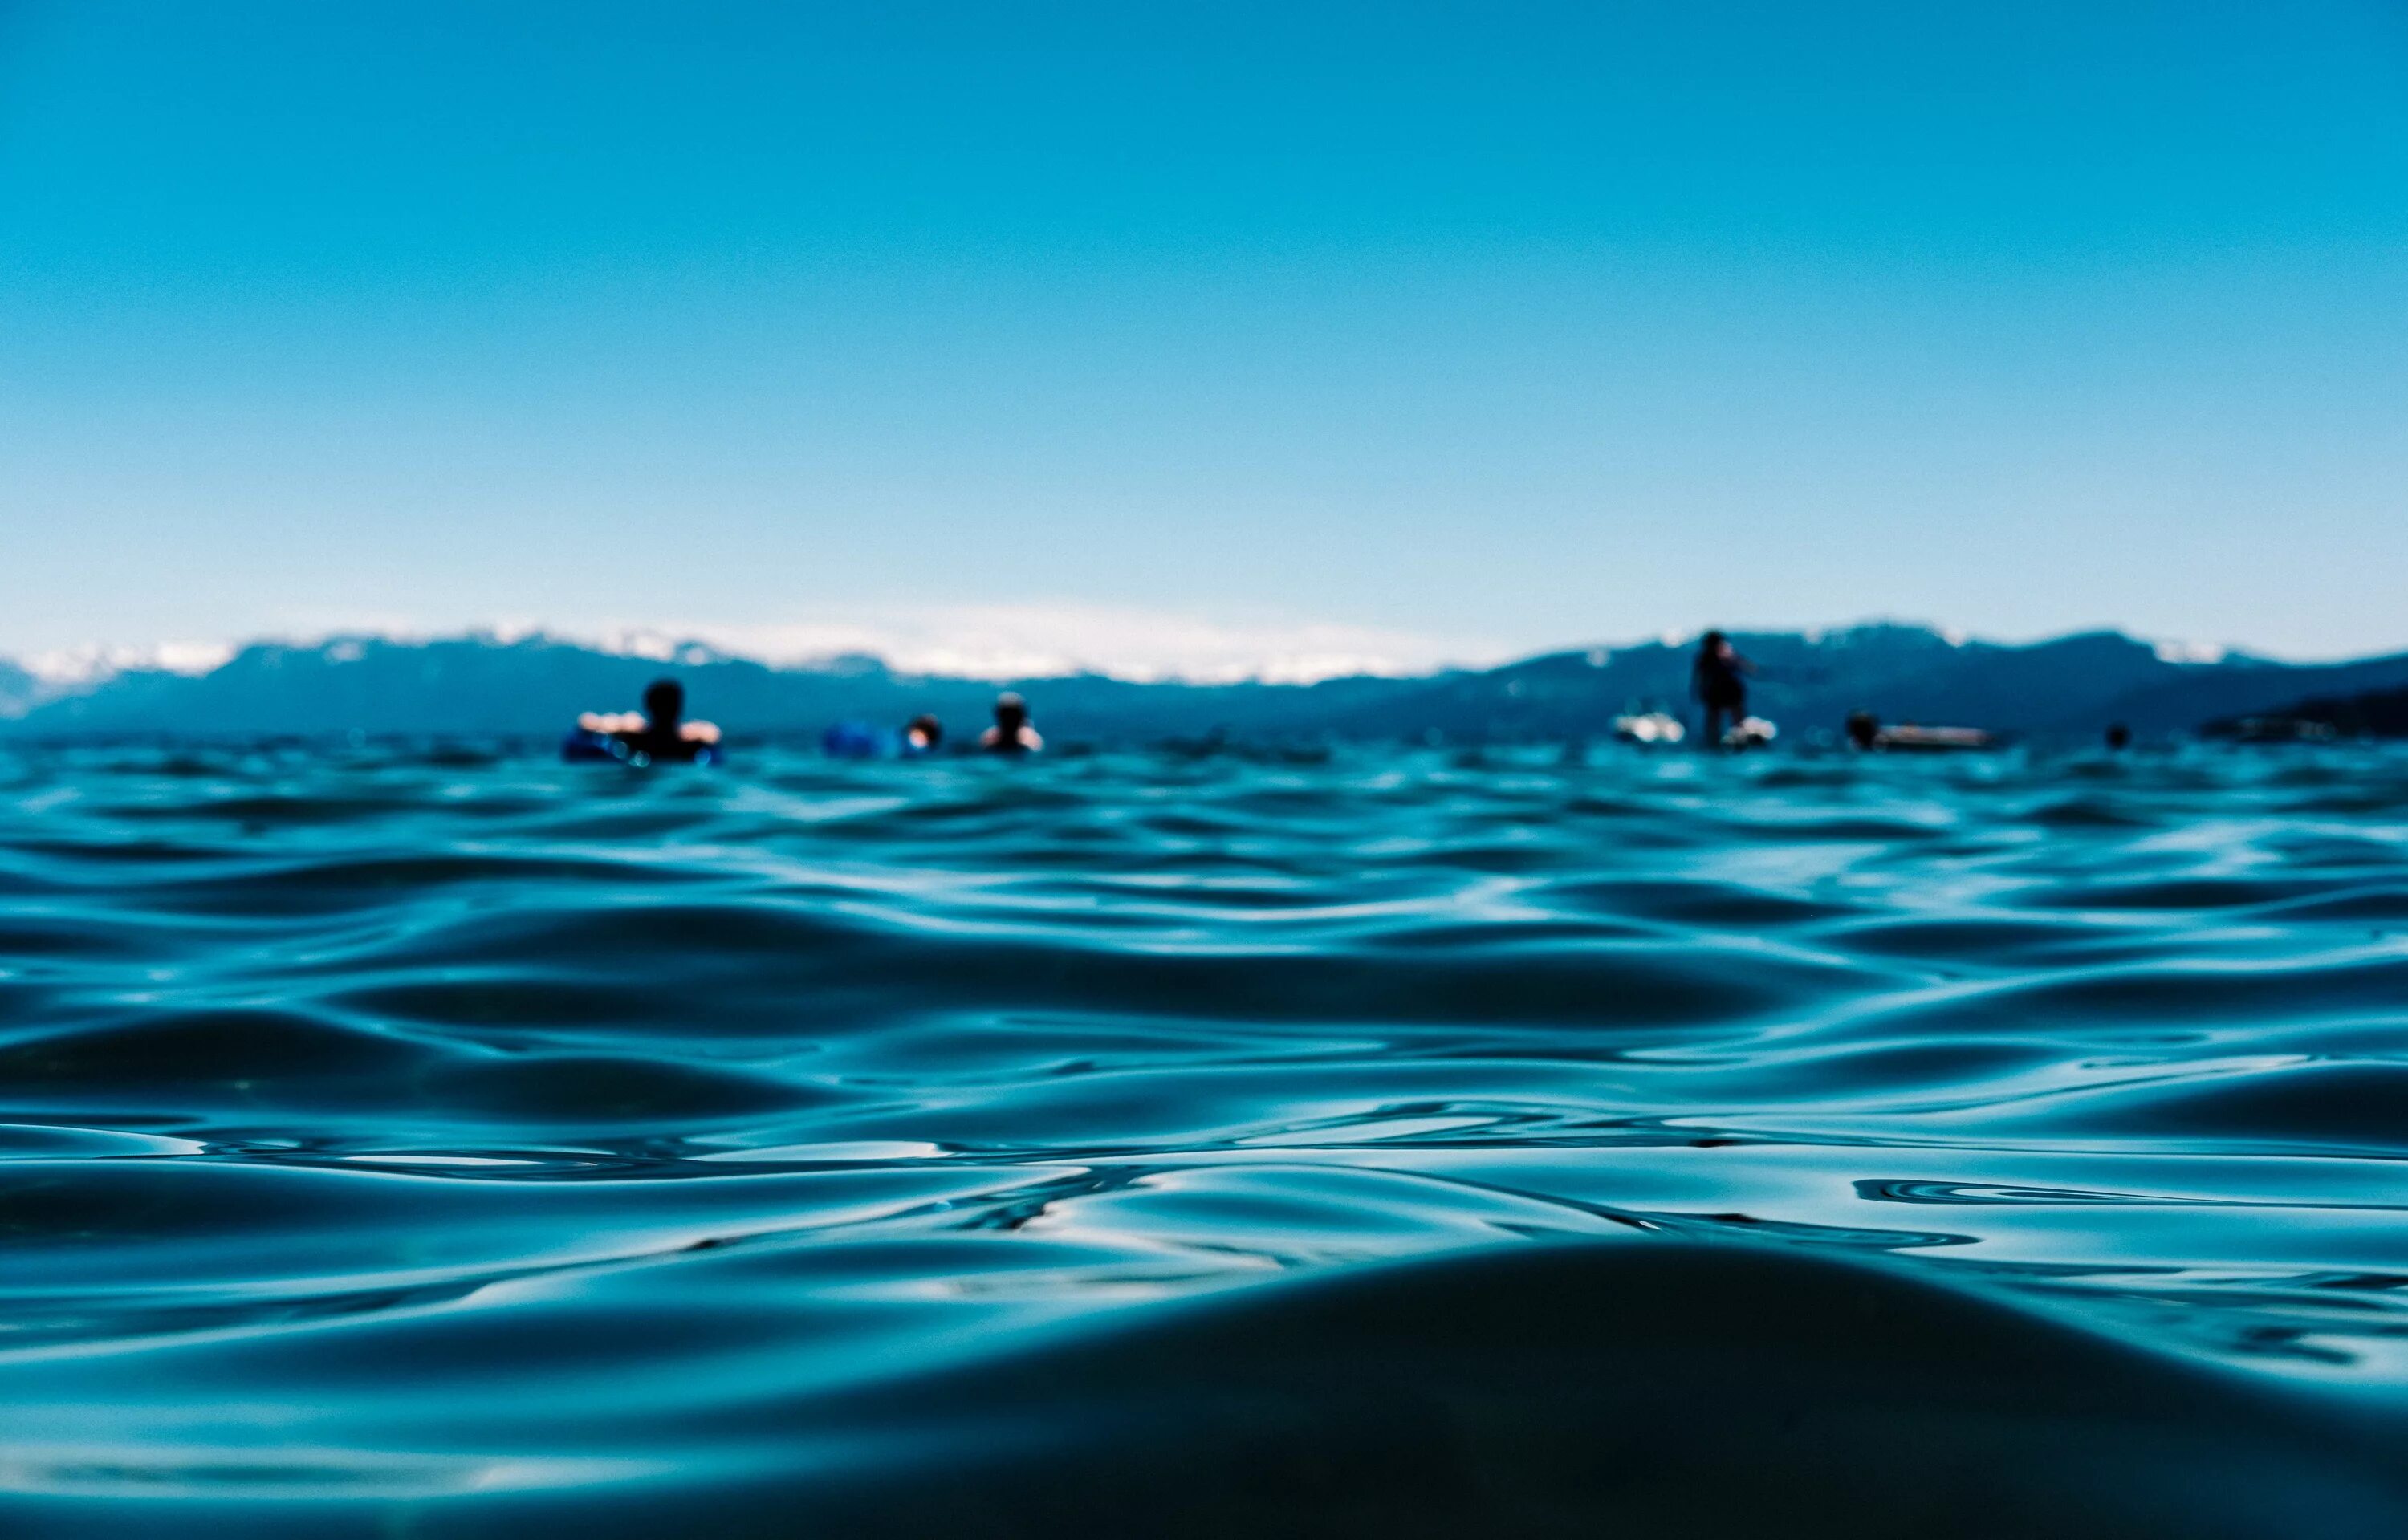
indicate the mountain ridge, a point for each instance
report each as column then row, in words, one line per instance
column 531, row 686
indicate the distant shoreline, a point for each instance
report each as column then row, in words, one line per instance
column 531, row 687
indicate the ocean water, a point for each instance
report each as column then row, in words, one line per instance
column 1544, row 1142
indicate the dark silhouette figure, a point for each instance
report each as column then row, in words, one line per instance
column 922, row 734
column 1011, row 733
column 658, row 734
column 662, row 735
column 2119, row 738
column 1718, row 680
column 1863, row 729
column 663, row 708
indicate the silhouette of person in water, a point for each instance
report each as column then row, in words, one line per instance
column 659, row 735
column 1011, row 733
column 2119, row 738
column 1717, row 679
column 922, row 734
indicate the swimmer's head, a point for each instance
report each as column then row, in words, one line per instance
column 1010, row 711
column 1713, row 641
column 664, row 704
column 924, row 732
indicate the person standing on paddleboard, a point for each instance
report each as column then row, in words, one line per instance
column 1718, row 680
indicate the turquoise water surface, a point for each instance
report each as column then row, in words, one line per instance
column 459, row 1143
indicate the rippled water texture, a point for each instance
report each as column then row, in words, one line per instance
column 463, row 1145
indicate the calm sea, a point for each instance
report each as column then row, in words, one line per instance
column 460, row 1144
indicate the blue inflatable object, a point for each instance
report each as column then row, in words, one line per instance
column 854, row 740
column 583, row 747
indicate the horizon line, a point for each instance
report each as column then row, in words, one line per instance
column 71, row 670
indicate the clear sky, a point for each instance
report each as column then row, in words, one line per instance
column 1402, row 329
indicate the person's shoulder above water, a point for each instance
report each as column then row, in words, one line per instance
column 630, row 726
column 692, row 740
column 1012, row 733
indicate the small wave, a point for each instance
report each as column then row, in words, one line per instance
column 1564, row 1390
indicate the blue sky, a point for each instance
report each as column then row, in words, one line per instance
column 1401, row 331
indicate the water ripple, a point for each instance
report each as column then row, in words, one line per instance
column 453, row 1142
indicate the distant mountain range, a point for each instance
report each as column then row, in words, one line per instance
column 21, row 690
column 533, row 687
